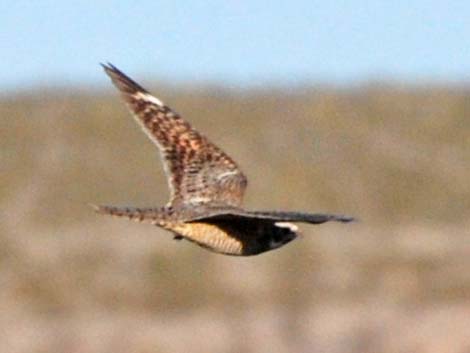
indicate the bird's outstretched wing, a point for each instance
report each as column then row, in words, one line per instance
column 198, row 172
column 228, row 214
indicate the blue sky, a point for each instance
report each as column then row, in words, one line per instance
column 234, row 42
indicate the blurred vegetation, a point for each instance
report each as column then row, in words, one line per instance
column 396, row 157
column 386, row 154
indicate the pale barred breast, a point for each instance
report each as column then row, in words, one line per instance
column 209, row 236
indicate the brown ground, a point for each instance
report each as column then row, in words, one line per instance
column 398, row 281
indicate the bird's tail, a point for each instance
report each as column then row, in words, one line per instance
column 146, row 215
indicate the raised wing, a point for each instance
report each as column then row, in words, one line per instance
column 198, row 172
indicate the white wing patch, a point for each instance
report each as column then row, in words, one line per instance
column 149, row 98
column 287, row 225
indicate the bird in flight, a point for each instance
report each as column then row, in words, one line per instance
column 206, row 185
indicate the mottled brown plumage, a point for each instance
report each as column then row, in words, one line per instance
column 197, row 170
column 206, row 185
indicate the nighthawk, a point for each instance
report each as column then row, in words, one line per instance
column 206, row 186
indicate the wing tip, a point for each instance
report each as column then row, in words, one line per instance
column 345, row 219
column 110, row 69
column 122, row 82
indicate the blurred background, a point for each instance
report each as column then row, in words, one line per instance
column 341, row 107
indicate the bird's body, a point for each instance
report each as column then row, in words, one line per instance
column 227, row 231
column 206, row 186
